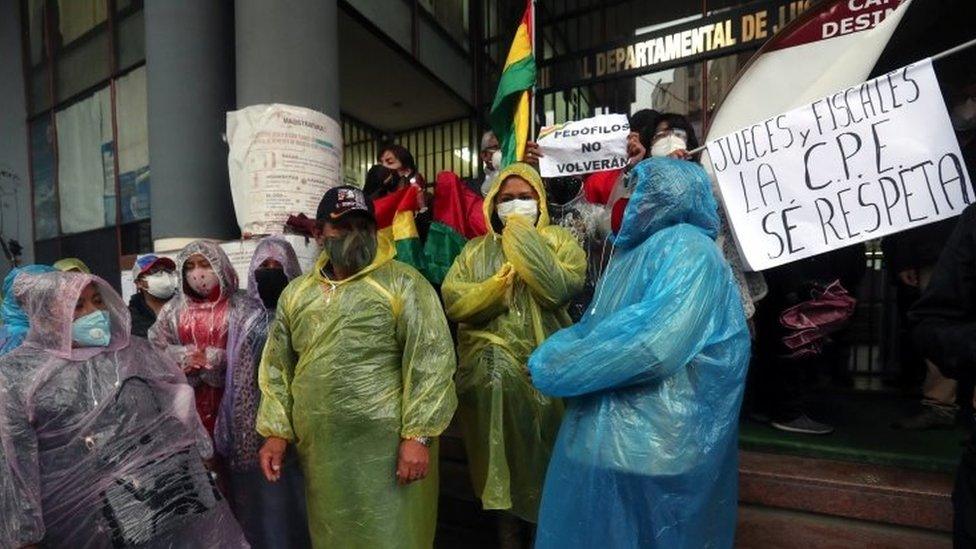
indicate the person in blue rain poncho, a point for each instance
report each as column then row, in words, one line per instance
column 653, row 375
column 15, row 324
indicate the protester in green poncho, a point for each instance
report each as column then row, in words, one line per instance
column 356, row 377
column 508, row 290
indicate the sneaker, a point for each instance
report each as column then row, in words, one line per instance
column 931, row 417
column 803, row 424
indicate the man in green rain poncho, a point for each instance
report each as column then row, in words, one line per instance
column 508, row 290
column 357, row 376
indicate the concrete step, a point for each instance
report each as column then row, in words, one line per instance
column 784, row 501
column 790, row 501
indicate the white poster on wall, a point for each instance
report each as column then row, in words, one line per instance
column 871, row 160
column 282, row 160
column 591, row 145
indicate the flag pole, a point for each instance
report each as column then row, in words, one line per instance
column 956, row 49
column 532, row 111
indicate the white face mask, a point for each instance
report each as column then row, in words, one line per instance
column 495, row 163
column 161, row 285
column 963, row 115
column 667, row 145
column 527, row 208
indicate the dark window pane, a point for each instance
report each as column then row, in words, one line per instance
column 47, row 252
column 42, row 171
column 136, row 238
column 82, row 64
column 39, row 71
column 131, row 38
column 99, row 250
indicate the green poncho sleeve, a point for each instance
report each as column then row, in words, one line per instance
column 549, row 260
column 275, row 374
column 429, row 399
column 473, row 301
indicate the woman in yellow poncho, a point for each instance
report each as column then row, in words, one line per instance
column 508, row 290
column 357, row 376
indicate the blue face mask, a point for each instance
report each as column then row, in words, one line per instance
column 92, row 330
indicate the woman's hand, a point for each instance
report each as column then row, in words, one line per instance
column 195, row 360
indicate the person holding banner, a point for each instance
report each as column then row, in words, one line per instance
column 508, row 290
column 670, row 135
column 647, row 455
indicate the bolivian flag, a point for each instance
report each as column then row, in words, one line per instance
column 509, row 117
column 395, row 220
column 458, row 217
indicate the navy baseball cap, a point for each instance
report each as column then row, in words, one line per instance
column 339, row 202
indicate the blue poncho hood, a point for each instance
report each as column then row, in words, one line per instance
column 15, row 324
column 666, row 192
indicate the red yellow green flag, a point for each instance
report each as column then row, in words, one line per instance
column 395, row 219
column 510, row 112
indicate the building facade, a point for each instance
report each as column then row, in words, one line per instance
column 117, row 107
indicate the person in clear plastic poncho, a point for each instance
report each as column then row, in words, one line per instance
column 653, row 376
column 508, row 290
column 100, row 445
column 271, row 514
column 356, row 378
column 15, row 323
column 196, row 325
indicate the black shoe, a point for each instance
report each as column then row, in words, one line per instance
column 804, row 425
column 931, row 417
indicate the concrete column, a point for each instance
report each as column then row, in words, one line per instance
column 287, row 52
column 15, row 186
column 190, row 88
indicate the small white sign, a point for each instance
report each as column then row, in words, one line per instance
column 871, row 160
column 592, row 145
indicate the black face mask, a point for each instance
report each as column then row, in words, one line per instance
column 562, row 190
column 271, row 282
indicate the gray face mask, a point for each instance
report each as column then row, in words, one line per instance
column 353, row 251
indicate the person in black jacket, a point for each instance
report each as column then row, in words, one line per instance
column 155, row 279
column 912, row 256
column 945, row 333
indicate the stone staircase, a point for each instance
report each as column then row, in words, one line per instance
column 784, row 501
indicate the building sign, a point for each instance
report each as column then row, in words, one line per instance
column 871, row 160
column 709, row 37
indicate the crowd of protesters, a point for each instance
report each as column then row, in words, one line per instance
column 592, row 343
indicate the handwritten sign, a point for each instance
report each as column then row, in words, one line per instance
column 592, row 145
column 282, row 159
column 867, row 161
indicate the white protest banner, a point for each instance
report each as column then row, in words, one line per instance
column 591, row 145
column 282, row 160
column 873, row 159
